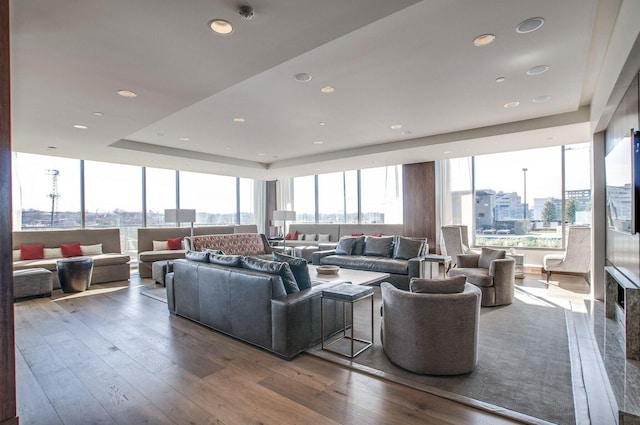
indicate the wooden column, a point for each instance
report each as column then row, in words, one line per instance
column 8, row 412
column 419, row 201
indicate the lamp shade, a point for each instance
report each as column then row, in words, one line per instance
column 283, row 215
column 180, row 215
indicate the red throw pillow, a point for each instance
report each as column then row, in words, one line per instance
column 357, row 234
column 292, row 236
column 376, row 234
column 32, row 252
column 174, row 243
column 71, row 250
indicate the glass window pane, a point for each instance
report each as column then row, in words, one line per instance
column 381, row 193
column 304, row 198
column 46, row 192
column 161, row 195
column 577, row 165
column 247, row 204
column 351, row 195
column 519, row 198
column 331, row 199
column 212, row 196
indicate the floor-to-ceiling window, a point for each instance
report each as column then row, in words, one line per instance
column 331, row 198
column 304, row 199
column 160, row 195
column 381, row 195
column 212, row 196
column 247, row 201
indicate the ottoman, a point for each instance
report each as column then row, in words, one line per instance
column 304, row 252
column 32, row 282
column 159, row 270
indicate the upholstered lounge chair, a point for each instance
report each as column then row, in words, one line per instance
column 454, row 241
column 431, row 333
column 577, row 257
column 492, row 272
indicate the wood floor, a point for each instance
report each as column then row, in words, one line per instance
column 113, row 356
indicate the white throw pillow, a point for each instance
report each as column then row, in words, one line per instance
column 53, row 253
column 160, row 245
column 300, row 236
column 91, row 249
column 16, row 255
column 310, row 237
column 323, row 238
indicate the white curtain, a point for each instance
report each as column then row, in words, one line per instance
column 260, row 204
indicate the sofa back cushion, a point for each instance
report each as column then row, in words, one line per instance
column 236, row 244
column 225, row 260
column 345, row 245
column 407, row 248
column 71, row 250
column 488, row 255
column 273, row 267
column 201, row 257
column 450, row 285
column 299, row 268
column 32, row 252
column 378, row 246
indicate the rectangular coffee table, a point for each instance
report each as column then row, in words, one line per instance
column 356, row 277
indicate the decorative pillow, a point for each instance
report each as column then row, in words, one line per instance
column 32, row 252
column 358, row 246
column 310, row 237
column 71, row 250
column 199, row 256
column 292, row 236
column 324, row 238
column 174, row 243
column 345, row 245
column 378, row 246
column 300, row 236
column 52, row 253
column 16, row 255
column 226, row 260
column 451, row 285
column 214, row 251
column 357, row 234
column 377, row 235
column 488, row 255
column 273, row 267
column 407, row 248
column 160, row 245
column 91, row 249
column 299, row 268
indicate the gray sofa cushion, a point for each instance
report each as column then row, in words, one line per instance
column 358, row 246
column 452, row 285
column 226, row 260
column 378, row 246
column 200, row 256
column 477, row 276
column 299, row 268
column 345, row 245
column 488, row 255
column 273, row 267
column 374, row 264
column 406, row 248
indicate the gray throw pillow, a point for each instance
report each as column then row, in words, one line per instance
column 199, row 256
column 378, row 246
column 299, row 268
column 273, row 267
column 358, row 246
column 450, row 285
column 407, row 248
column 345, row 245
column 226, row 260
column 488, row 255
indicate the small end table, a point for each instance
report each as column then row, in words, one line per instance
column 347, row 294
column 427, row 261
column 74, row 273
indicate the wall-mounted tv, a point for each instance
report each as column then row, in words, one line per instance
column 622, row 174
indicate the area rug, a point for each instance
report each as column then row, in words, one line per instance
column 159, row 294
column 523, row 371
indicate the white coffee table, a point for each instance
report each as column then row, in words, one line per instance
column 356, row 277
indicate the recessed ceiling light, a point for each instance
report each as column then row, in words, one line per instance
column 239, row 119
column 396, row 126
column 51, row 147
column 327, row 89
column 322, row 123
column 541, row 99
column 126, row 93
column 483, row 40
column 529, row 25
column 261, row 154
column 80, row 126
column 228, row 148
column 220, row 26
column 318, row 142
column 537, row 70
column 511, row 104
column 184, row 139
column 97, row 114
column 303, row 77
column 446, row 152
column 500, row 79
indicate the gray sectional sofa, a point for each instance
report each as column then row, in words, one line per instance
column 109, row 265
column 147, row 235
column 253, row 305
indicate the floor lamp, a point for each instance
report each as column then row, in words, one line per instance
column 283, row 215
column 180, row 216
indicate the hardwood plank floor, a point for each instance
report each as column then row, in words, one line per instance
column 113, row 356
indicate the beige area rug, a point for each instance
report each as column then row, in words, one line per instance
column 524, row 366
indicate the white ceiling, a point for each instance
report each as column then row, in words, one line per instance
column 390, row 62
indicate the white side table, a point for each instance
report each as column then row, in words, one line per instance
column 429, row 261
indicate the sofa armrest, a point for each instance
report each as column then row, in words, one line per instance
column 503, row 272
column 317, row 256
column 467, row 261
column 171, row 300
column 267, row 245
column 414, row 266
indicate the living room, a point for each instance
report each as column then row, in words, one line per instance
column 119, row 145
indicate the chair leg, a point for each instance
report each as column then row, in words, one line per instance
column 548, row 275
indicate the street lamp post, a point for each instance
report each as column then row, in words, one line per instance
column 524, row 210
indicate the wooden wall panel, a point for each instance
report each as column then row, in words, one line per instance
column 419, row 201
column 271, row 205
column 8, row 412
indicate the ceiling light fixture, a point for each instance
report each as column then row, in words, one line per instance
column 80, row 126
column 220, row 26
column 239, row 119
column 246, row 12
column 127, row 93
column 537, row 70
column 396, row 126
column 500, row 79
column 184, row 139
column 303, row 77
column 228, row 148
column 261, row 154
column 327, row 89
column 322, row 123
column 446, row 152
column 97, row 114
column 541, row 99
column 529, row 25
column 483, row 40
column 511, row 104
column 318, row 142
column 51, row 147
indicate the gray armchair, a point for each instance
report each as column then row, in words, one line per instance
column 492, row 272
column 431, row 333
